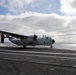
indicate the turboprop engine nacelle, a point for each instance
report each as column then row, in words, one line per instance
column 1, row 37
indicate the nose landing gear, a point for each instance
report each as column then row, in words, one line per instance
column 51, row 46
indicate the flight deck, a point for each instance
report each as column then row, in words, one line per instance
column 37, row 61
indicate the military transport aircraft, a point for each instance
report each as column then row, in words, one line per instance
column 26, row 40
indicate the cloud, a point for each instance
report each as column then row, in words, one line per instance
column 61, row 28
column 68, row 6
column 16, row 6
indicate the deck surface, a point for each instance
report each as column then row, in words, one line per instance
column 37, row 61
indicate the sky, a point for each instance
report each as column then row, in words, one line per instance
column 54, row 18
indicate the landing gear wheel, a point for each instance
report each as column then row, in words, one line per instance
column 51, row 46
column 24, row 46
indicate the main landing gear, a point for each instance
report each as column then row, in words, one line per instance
column 51, row 46
column 24, row 46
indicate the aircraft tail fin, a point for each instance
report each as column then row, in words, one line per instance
column 2, row 37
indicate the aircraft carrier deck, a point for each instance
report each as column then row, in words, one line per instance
column 37, row 61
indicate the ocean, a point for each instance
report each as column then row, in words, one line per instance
column 65, row 46
column 70, row 46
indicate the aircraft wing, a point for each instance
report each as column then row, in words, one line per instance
column 13, row 34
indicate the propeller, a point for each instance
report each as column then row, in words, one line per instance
column 2, row 37
column 35, row 37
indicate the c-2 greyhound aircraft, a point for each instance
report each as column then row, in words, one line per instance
column 26, row 40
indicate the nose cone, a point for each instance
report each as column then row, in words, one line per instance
column 53, row 41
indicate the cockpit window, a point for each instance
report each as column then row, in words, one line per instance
column 46, row 37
